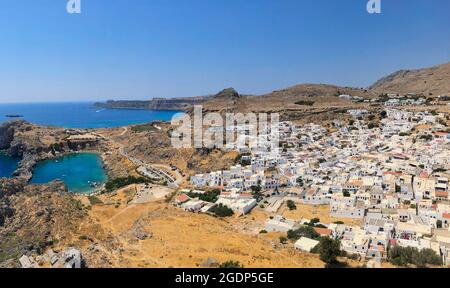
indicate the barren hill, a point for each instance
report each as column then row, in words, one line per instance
column 433, row 81
column 300, row 99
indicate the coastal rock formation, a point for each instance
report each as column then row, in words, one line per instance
column 7, row 133
column 35, row 143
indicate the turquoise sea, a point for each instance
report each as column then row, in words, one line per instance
column 7, row 165
column 81, row 115
column 81, row 172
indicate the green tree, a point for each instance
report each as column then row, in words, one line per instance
column 209, row 196
column 117, row 183
column 403, row 256
column 291, row 205
column 304, row 231
column 328, row 249
column 222, row 211
column 256, row 191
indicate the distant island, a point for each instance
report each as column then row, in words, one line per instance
column 13, row 116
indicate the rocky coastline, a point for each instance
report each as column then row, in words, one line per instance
column 34, row 144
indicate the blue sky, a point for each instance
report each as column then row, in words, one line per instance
column 139, row 49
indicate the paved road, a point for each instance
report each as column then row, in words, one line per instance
column 160, row 170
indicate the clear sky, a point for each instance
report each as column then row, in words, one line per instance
column 139, row 49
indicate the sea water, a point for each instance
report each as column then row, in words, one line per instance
column 80, row 115
column 81, row 172
column 7, row 165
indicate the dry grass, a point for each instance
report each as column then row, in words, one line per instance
column 315, row 211
column 181, row 239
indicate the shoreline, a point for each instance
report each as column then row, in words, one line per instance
column 96, row 190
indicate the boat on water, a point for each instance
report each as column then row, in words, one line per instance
column 94, row 184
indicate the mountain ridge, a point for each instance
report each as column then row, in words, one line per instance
column 430, row 82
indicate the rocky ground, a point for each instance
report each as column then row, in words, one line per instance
column 34, row 218
column 45, row 220
column 153, row 145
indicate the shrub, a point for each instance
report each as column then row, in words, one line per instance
column 314, row 221
column 222, row 211
column 372, row 125
column 305, row 103
column 283, row 240
column 144, row 128
column 231, row 264
column 209, row 196
column 263, row 232
column 427, row 137
column 94, row 200
column 291, row 205
column 117, row 183
column 304, row 231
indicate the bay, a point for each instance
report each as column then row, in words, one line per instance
column 81, row 172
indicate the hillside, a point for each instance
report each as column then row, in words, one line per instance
column 433, row 81
column 34, row 217
column 295, row 103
